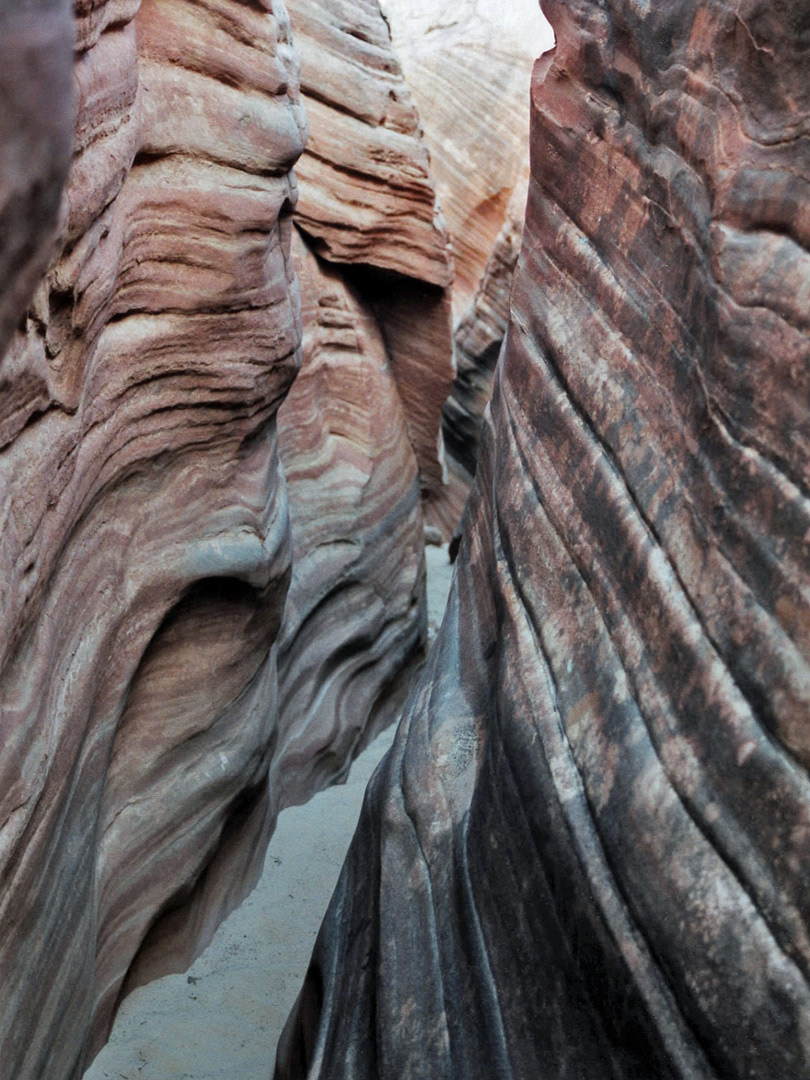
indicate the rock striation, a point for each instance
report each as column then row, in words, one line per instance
column 360, row 432
column 468, row 66
column 367, row 196
column 478, row 340
column 144, row 536
column 478, row 134
column 586, row 852
column 355, row 622
column 162, row 696
column 368, row 203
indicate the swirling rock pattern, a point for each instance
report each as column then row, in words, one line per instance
column 368, row 203
column 355, row 622
column 478, row 133
column 360, row 432
column 367, row 195
column 468, row 65
column 144, row 544
column 587, row 852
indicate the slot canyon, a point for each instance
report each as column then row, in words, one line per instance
column 291, row 292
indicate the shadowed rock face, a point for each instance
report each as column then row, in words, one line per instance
column 36, row 124
column 586, row 853
column 368, row 203
column 478, row 341
column 360, row 432
column 144, row 544
column 355, row 619
column 469, row 67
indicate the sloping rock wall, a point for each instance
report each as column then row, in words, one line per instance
column 144, row 547
column 478, row 341
column 469, row 67
column 360, row 432
column 354, row 624
column 368, row 203
column 586, row 853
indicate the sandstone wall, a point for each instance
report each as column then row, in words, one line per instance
column 368, row 203
column 355, row 621
column 160, row 703
column 469, row 65
column 360, row 433
column 586, row 853
column 144, row 546
column 478, row 341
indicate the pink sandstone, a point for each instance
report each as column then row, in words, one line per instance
column 144, row 551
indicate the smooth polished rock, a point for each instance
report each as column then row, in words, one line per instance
column 586, row 853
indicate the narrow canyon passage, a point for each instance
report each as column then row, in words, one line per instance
column 289, row 289
column 222, row 1019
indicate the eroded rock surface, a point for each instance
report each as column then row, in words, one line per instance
column 468, row 64
column 144, row 534
column 360, row 432
column 478, row 340
column 367, row 196
column 368, row 203
column 586, row 853
column 355, row 622
column 469, row 67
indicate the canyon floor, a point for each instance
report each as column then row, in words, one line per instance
column 222, row 1019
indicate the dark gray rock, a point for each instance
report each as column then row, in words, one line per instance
column 586, row 854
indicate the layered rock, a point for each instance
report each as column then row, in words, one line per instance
column 367, row 195
column 586, row 853
column 368, row 203
column 478, row 340
column 360, row 432
column 469, row 66
column 144, row 547
column 354, row 625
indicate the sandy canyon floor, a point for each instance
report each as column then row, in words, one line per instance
column 223, row 1018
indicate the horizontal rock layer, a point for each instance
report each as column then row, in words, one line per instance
column 368, row 204
column 367, row 196
column 586, row 853
column 360, row 433
column 144, row 533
